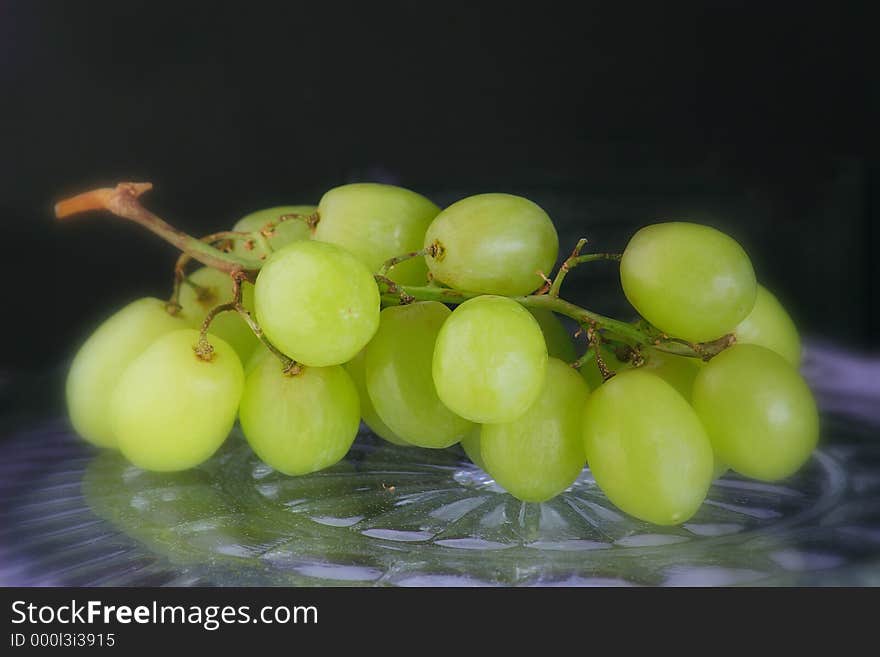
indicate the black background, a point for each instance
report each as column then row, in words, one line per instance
column 755, row 118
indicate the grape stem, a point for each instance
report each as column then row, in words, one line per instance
column 573, row 261
column 392, row 291
column 223, row 237
column 595, row 341
column 123, row 201
column 396, row 294
column 173, row 305
column 204, row 350
column 391, row 263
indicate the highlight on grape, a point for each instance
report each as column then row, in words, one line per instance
column 442, row 326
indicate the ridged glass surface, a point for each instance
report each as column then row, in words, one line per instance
column 396, row 516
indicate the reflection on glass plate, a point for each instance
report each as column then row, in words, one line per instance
column 395, row 516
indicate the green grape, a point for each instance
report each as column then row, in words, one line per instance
column 559, row 342
column 590, row 370
column 539, row 455
column 646, row 448
column 688, row 280
column 680, row 372
column 758, row 412
column 317, row 303
column 303, row 423
column 101, row 360
column 471, row 445
column 398, row 375
column 216, row 289
column 172, row 409
column 492, row 244
column 376, row 223
column 290, row 230
column 677, row 371
column 357, row 371
column 256, row 358
column 768, row 325
column 489, row 360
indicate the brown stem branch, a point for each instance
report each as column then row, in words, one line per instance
column 123, row 202
column 289, row 366
column 391, row 263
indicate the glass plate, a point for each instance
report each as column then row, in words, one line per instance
column 388, row 515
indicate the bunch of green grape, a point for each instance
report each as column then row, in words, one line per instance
column 438, row 327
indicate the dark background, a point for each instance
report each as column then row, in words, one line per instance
column 754, row 118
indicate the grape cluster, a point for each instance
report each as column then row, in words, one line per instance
column 438, row 327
